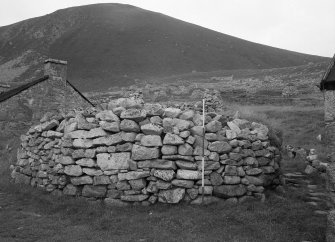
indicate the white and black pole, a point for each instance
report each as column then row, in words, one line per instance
column 203, row 153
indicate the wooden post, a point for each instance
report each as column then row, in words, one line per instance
column 203, row 153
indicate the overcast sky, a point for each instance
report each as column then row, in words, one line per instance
column 306, row 26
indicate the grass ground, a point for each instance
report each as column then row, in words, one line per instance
column 27, row 214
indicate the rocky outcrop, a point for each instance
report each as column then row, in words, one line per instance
column 146, row 154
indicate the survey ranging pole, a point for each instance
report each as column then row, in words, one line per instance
column 203, row 153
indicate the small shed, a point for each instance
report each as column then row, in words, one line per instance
column 327, row 86
column 25, row 105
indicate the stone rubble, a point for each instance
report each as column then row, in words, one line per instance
column 143, row 153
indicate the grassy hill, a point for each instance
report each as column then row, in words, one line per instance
column 114, row 44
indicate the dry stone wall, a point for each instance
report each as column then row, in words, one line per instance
column 146, row 154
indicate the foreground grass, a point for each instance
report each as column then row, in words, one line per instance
column 27, row 214
column 32, row 215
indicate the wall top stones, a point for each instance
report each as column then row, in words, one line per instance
column 144, row 153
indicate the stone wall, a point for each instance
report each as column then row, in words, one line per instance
column 330, row 234
column 329, row 133
column 146, row 155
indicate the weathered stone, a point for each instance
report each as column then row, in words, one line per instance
column 172, row 139
column 166, row 175
column 163, row 185
column 209, row 165
column 310, row 170
column 20, row 178
column 134, row 198
column 268, row 169
column 114, row 161
column 231, row 180
column 197, row 130
column 219, row 147
column 107, row 115
column 185, row 149
column 144, row 153
column 94, row 191
column 171, row 196
column 94, row 133
column 122, row 185
column 124, row 147
column 169, row 150
column 230, row 170
column 151, row 140
column 138, row 184
column 110, row 126
column 187, row 115
column 73, row 170
column 108, row 140
column 128, row 137
column 89, row 153
column 153, row 109
column 227, row 191
column 253, row 188
column 240, row 171
column 188, row 174
column 181, row 124
column 234, row 127
column 65, row 160
column 151, row 129
column 71, row 190
column 159, row 164
column 216, row 179
column 134, row 114
column 92, row 172
column 172, row 112
column 133, row 175
column 213, row 126
column 254, row 171
column 88, row 162
column 129, row 126
column 81, row 180
column 101, row 180
column 183, row 183
column 251, row 161
column 49, row 125
column 186, row 165
column 82, row 143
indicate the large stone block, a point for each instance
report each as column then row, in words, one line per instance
column 82, row 143
column 188, row 175
column 73, row 170
column 143, row 153
column 81, row 180
column 107, row 115
column 109, row 140
column 114, row 161
column 172, row 139
column 183, row 183
column 151, row 129
column 151, row 140
column 219, row 147
column 128, row 125
column 171, row 196
column 166, row 175
column 134, row 114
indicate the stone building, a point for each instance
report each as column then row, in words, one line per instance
column 327, row 86
column 25, row 105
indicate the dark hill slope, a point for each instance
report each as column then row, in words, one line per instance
column 113, row 44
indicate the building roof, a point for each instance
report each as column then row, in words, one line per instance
column 328, row 79
column 8, row 94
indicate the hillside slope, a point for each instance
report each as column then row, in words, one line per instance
column 113, row 44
